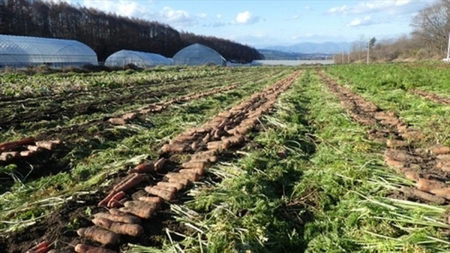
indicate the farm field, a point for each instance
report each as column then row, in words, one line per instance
column 255, row 159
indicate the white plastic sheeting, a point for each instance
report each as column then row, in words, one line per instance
column 20, row 51
column 140, row 59
column 198, row 54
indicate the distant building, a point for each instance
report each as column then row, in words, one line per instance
column 197, row 54
column 140, row 59
column 21, row 51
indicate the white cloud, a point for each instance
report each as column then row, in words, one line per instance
column 361, row 21
column 294, row 17
column 246, row 17
column 121, row 7
column 177, row 17
column 219, row 16
column 392, row 7
column 202, row 15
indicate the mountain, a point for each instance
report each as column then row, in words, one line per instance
column 313, row 48
column 279, row 55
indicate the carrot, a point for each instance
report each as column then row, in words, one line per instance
column 440, row 150
column 129, row 116
column 139, row 208
column 180, row 180
column 191, row 174
column 39, row 248
column 143, row 168
column 115, row 198
column 6, row 156
column 199, row 171
column 127, row 184
column 134, row 230
column 83, row 248
column 393, row 163
column 26, row 141
column 50, row 145
column 117, row 121
column 26, row 153
column 105, row 201
column 428, row 185
column 175, row 148
column 8, row 146
column 177, row 186
column 160, row 163
column 214, row 145
column 155, row 200
column 423, row 195
column 194, row 164
column 182, row 176
column 396, row 143
column 123, row 218
column 164, row 193
column 100, row 235
column 114, row 204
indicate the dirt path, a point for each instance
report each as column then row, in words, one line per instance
column 433, row 97
column 183, row 161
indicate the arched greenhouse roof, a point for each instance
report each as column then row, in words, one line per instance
column 140, row 59
column 18, row 51
column 198, row 54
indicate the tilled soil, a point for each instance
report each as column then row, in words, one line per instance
column 184, row 160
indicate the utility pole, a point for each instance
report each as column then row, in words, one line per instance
column 368, row 49
column 448, row 49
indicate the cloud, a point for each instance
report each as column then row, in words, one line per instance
column 392, row 7
column 218, row 24
column 177, row 17
column 361, row 21
column 295, row 17
column 246, row 18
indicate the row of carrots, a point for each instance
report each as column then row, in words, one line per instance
column 25, row 147
column 125, row 216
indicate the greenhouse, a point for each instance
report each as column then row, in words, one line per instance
column 140, row 59
column 197, row 54
column 20, row 51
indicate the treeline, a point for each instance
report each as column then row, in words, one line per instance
column 428, row 40
column 107, row 33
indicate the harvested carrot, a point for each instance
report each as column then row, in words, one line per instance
column 143, row 168
column 6, row 156
column 114, row 204
column 8, row 146
column 428, row 185
column 151, row 199
column 39, row 248
column 174, row 148
column 83, row 248
column 123, row 218
column 164, row 193
column 199, row 171
column 191, row 174
column 194, row 164
column 117, row 121
column 26, row 141
column 100, row 235
column 177, row 186
column 26, row 153
column 134, row 230
column 50, row 145
column 139, row 208
column 181, row 180
column 127, row 184
column 160, row 163
column 105, row 201
column 192, row 177
column 440, row 150
column 114, row 201
column 116, row 211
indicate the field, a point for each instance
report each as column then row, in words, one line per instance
column 242, row 159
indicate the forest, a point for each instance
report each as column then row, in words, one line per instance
column 107, row 33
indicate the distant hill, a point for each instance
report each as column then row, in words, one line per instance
column 279, row 55
column 313, row 48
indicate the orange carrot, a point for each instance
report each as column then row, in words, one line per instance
column 428, row 185
column 6, row 156
column 160, row 163
column 39, row 248
column 199, row 171
column 134, row 230
column 139, row 208
column 83, row 248
column 123, row 218
column 440, row 150
column 164, row 193
column 26, row 141
column 151, row 199
column 178, row 186
column 130, row 183
column 100, row 235
column 114, row 201
column 26, row 153
column 194, row 164
column 143, row 168
column 192, row 177
column 50, row 145
column 180, row 180
column 191, row 174
column 105, row 201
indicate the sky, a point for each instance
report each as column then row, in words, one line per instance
column 262, row 23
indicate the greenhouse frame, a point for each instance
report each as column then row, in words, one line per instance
column 21, row 51
column 198, row 54
column 140, row 59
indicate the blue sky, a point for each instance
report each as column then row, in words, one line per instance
column 264, row 23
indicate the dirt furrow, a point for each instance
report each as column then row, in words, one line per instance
column 428, row 167
column 143, row 197
column 433, row 97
